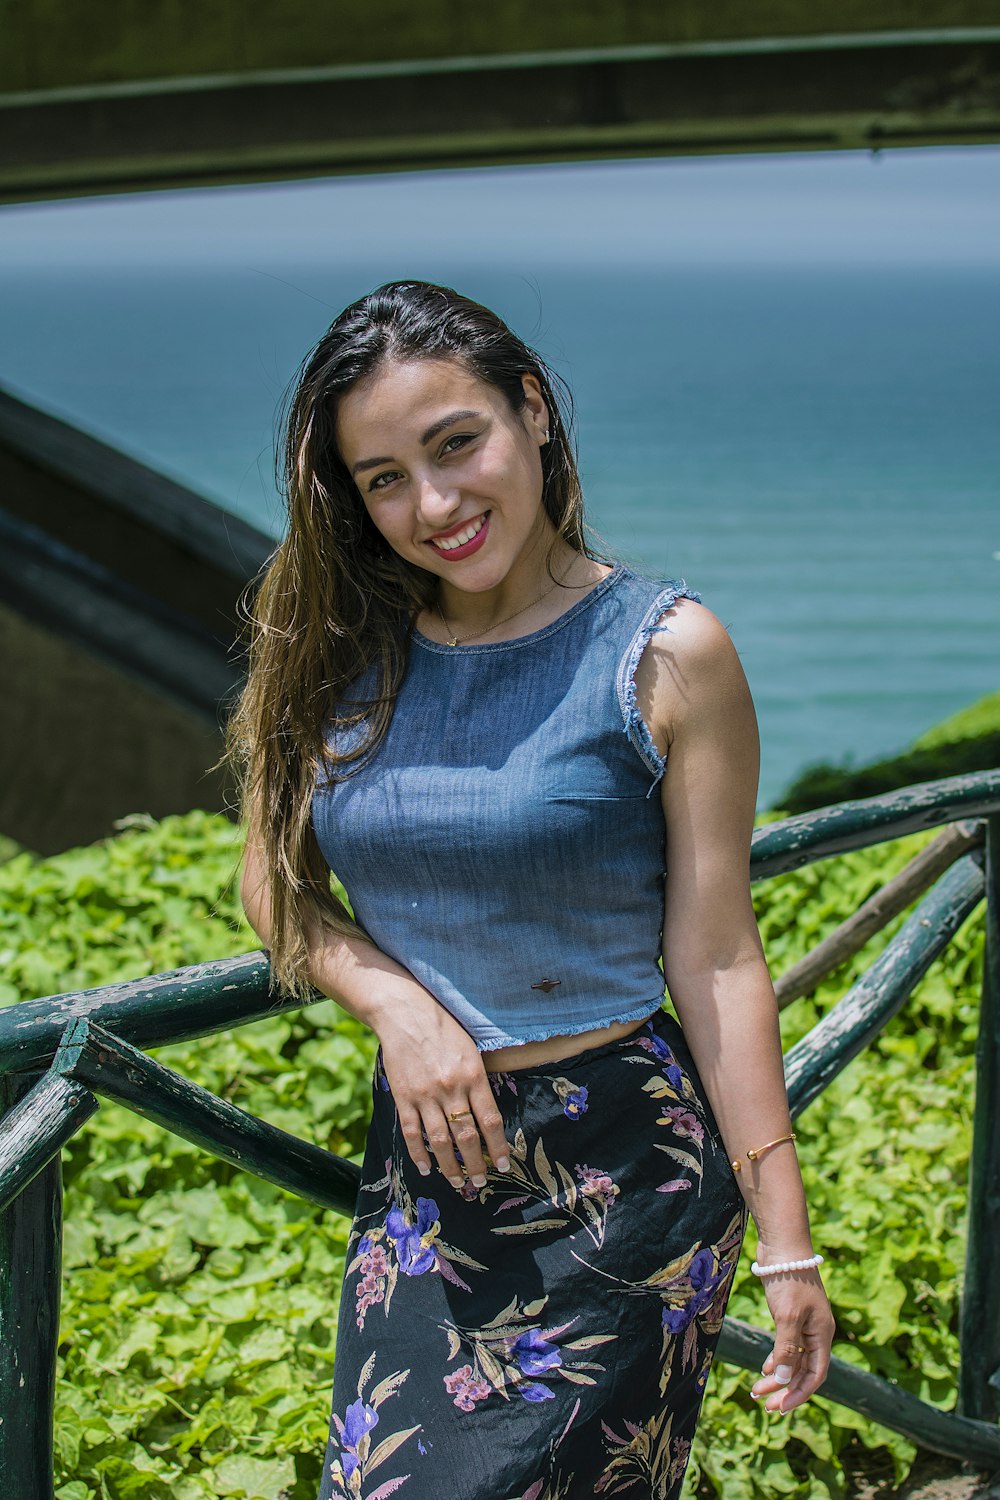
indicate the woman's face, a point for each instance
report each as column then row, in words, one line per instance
column 449, row 474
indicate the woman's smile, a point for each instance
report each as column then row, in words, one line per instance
column 465, row 538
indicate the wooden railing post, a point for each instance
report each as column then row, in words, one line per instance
column 30, row 1276
column 979, row 1377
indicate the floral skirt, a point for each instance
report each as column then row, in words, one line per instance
column 547, row 1336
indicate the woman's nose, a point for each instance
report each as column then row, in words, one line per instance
column 437, row 503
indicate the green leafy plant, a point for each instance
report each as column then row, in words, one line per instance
column 967, row 741
column 200, row 1304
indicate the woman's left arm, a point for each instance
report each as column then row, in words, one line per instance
column 694, row 694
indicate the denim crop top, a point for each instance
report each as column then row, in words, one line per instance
column 503, row 843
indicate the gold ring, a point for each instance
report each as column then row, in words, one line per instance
column 458, row 1113
column 801, row 1348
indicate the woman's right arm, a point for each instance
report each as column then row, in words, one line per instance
column 431, row 1063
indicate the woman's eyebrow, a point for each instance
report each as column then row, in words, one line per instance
column 370, row 463
column 436, row 427
column 428, row 437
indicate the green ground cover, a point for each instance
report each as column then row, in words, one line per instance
column 199, row 1304
column 968, row 740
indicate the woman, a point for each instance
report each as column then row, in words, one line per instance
column 498, row 740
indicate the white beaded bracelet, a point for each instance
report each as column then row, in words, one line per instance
column 787, row 1265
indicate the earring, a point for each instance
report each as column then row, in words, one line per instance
column 547, row 438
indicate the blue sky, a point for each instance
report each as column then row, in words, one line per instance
column 922, row 207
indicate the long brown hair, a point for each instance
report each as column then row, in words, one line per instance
column 334, row 599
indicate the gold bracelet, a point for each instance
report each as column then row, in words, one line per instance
column 753, row 1155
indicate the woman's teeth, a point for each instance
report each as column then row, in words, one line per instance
column 448, row 544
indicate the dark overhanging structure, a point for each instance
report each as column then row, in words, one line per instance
column 103, row 99
column 118, row 587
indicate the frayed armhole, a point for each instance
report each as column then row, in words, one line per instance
column 634, row 724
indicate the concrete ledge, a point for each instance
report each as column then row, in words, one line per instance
column 119, row 634
column 84, row 744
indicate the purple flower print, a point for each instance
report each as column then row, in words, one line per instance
column 374, row 1269
column 571, row 1096
column 532, row 1391
column 655, row 1044
column 466, row 1388
column 414, row 1242
column 681, row 1450
column 674, row 1074
column 535, row 1355
column 704, row 1287
column 685, row 1123
column 597, row 1184
column 575, row 1103
column 359, row 1419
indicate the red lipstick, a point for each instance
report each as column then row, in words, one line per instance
column 455, row 554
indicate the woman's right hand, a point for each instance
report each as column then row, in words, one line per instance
column 434, row 1070
column 431, row 1063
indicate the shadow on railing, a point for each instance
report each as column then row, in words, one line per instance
column 58, row 1054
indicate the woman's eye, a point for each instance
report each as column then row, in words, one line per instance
column 389, row 476
column 453, row 444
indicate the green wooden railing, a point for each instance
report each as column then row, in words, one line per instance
column 61, row 1054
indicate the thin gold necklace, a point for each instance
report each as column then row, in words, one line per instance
column 457, row 640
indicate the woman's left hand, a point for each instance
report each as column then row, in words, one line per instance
column 804, row 1327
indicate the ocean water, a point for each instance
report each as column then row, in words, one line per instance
column 817, row 451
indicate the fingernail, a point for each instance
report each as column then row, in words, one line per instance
column 755, row 1395
column 423, row 1169
column 503, row 1164
column 783, row 1373
column 479, row 1179
column 457, row 1182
